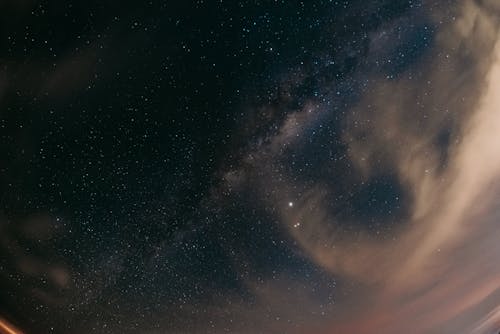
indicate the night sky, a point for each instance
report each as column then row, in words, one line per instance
column 303, row 167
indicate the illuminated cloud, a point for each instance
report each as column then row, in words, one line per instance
column 438, row 127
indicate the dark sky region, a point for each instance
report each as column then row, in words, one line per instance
column 303, row 167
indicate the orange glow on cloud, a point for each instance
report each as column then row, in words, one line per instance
column 7, row 328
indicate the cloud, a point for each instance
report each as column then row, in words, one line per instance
column 437, row 126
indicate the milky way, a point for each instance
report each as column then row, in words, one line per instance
column 250, row 167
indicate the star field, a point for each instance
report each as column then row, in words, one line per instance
column 249, row 166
